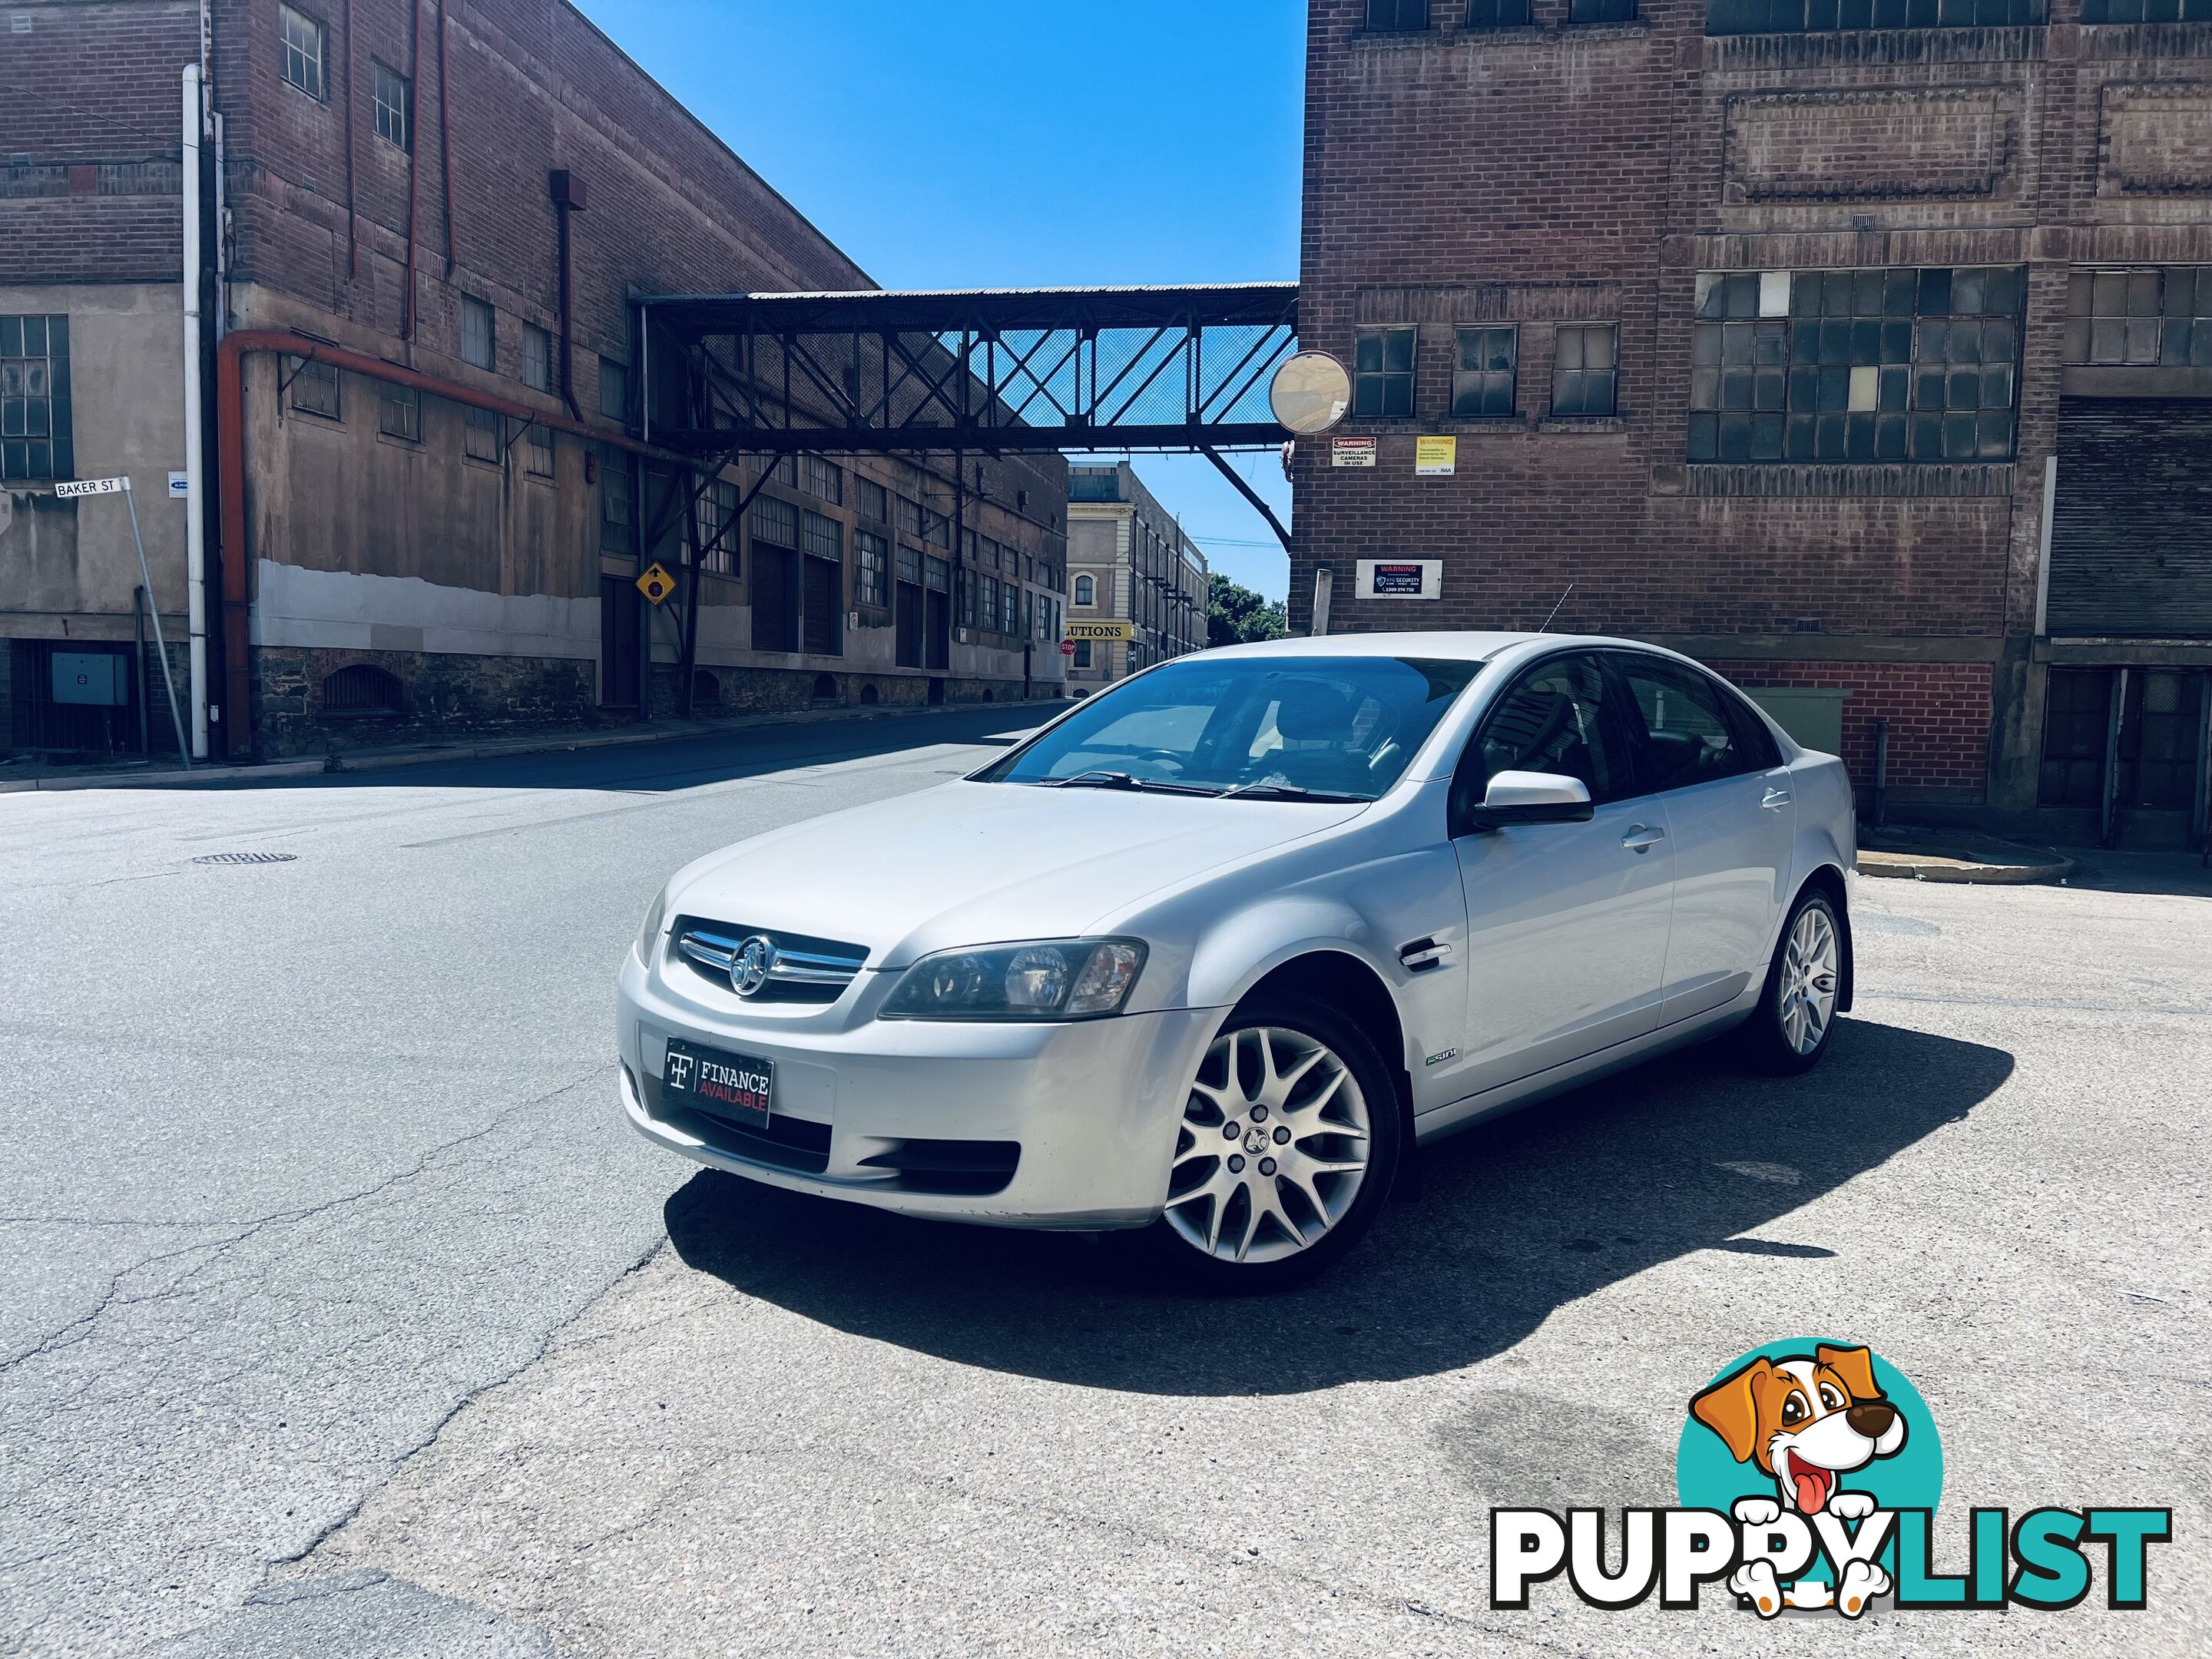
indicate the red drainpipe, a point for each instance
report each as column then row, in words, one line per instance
column 230, row 460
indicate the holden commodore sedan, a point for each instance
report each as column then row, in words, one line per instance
column 1210, row 954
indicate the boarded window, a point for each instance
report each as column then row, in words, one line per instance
column 485, row 436
column 399, row 413
column 537, row 450
column 617, row 502
column 614, row 389
column 537, row 357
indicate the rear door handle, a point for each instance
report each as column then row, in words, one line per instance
column 1642, row 838
column 1775, row 799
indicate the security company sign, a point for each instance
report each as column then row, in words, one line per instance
column 1101, row 630
column 1401, row 579
column 91, row 487
column 1435, row 458
column 656, row 584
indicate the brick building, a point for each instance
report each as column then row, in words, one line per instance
column 1857, row 347
column 1129, row 560
column 425, row 494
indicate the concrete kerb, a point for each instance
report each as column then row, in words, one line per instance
column 1963, row 857
column 367, row 760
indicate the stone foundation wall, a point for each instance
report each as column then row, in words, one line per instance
column 441, row 695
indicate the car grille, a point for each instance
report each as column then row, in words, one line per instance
column 800, row 968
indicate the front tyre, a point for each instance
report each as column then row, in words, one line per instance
column 1796, row 1015
column 1289, row 1138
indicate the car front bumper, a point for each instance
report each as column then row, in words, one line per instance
column 1092, row 1106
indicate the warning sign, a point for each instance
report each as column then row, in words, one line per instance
column 1352, row 452
column 1435, row 458
column 656, row 584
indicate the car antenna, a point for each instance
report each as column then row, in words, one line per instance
column 1546, row 628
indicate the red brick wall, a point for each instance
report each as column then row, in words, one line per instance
column 1938, row 715
column 91, row 95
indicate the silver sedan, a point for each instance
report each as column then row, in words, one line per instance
column 1206, row 956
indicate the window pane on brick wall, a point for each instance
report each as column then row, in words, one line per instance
column 1585, row 368
column 300, row 41
column 2158, row 316
column 617, row 502
column 614, row 389
column 717, row 509
column 872, row 500
column 1382, row 374
column 824, row 538
column 823, row 480
column 479, row 333
column 1496, row 14
column 395, row 106
column 872, row 554
column 1394, row 16
column 1601, row 11
column 1826, row 16
column 537, row 450
column 1917, row 364
column 314, row 387
column 1482, row 384
column 537, row 357
column 35, row 426
column 2144, row 11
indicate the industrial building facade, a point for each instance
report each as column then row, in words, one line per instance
column 427, row 493
column 1128, row 561
column 1861, row 348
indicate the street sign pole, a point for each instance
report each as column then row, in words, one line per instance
column 184, row 749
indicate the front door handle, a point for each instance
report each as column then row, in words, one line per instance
column 1775, row 799
column 1642, row 838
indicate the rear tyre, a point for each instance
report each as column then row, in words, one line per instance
column 1289, row 1137
column 1796, row 1015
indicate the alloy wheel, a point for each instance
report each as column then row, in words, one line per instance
column 1274, row 1146
column 1807, row 1001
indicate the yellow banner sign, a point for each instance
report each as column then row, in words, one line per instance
column 1435, row 458
column 1101, row 630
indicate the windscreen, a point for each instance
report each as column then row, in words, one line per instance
column 1339, row 726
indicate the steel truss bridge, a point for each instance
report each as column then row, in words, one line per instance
column 984, row 373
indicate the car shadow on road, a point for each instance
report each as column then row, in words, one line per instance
column 1515, row 1219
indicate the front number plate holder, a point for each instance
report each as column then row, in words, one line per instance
column 739, row 1088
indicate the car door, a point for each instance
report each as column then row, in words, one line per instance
column 1567, row 923
column 1716, row 770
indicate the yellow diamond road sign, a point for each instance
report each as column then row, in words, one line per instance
column 656, row 584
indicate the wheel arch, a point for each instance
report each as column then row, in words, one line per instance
column 1340, row 980
column 1827, row 879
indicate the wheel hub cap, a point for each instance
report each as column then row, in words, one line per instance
column 1809, row 977
column 1273, row 1150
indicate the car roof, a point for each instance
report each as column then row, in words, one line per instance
column 1467, row 646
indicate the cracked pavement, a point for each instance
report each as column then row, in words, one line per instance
column 348, row 1317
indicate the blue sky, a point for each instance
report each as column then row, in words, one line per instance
column 960, row 143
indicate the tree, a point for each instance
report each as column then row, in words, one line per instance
column 1234, row 614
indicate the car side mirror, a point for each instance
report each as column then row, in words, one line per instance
column 1531, row 798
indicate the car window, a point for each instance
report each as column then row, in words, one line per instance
column 1683, row 735
column 1331, row 724
column 1556, row 718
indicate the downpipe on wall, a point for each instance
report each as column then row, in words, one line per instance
column 195, row 437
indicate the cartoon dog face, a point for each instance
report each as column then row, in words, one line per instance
column 1804, row 1421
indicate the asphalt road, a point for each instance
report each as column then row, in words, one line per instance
column 346, row 1315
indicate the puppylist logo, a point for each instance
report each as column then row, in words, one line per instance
column 1809, row 1472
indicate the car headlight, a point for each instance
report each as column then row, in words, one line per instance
column 649, row 935
column 1043, row 979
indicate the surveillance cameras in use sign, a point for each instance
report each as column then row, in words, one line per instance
column 1401, row 579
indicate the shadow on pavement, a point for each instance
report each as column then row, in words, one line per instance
column 2159, row 874
column 685, row 762
column 1516, row 1220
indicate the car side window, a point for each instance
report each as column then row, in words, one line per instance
column 1683, row 734
column 1555, row 719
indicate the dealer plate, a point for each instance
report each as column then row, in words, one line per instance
column 738, row 1087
